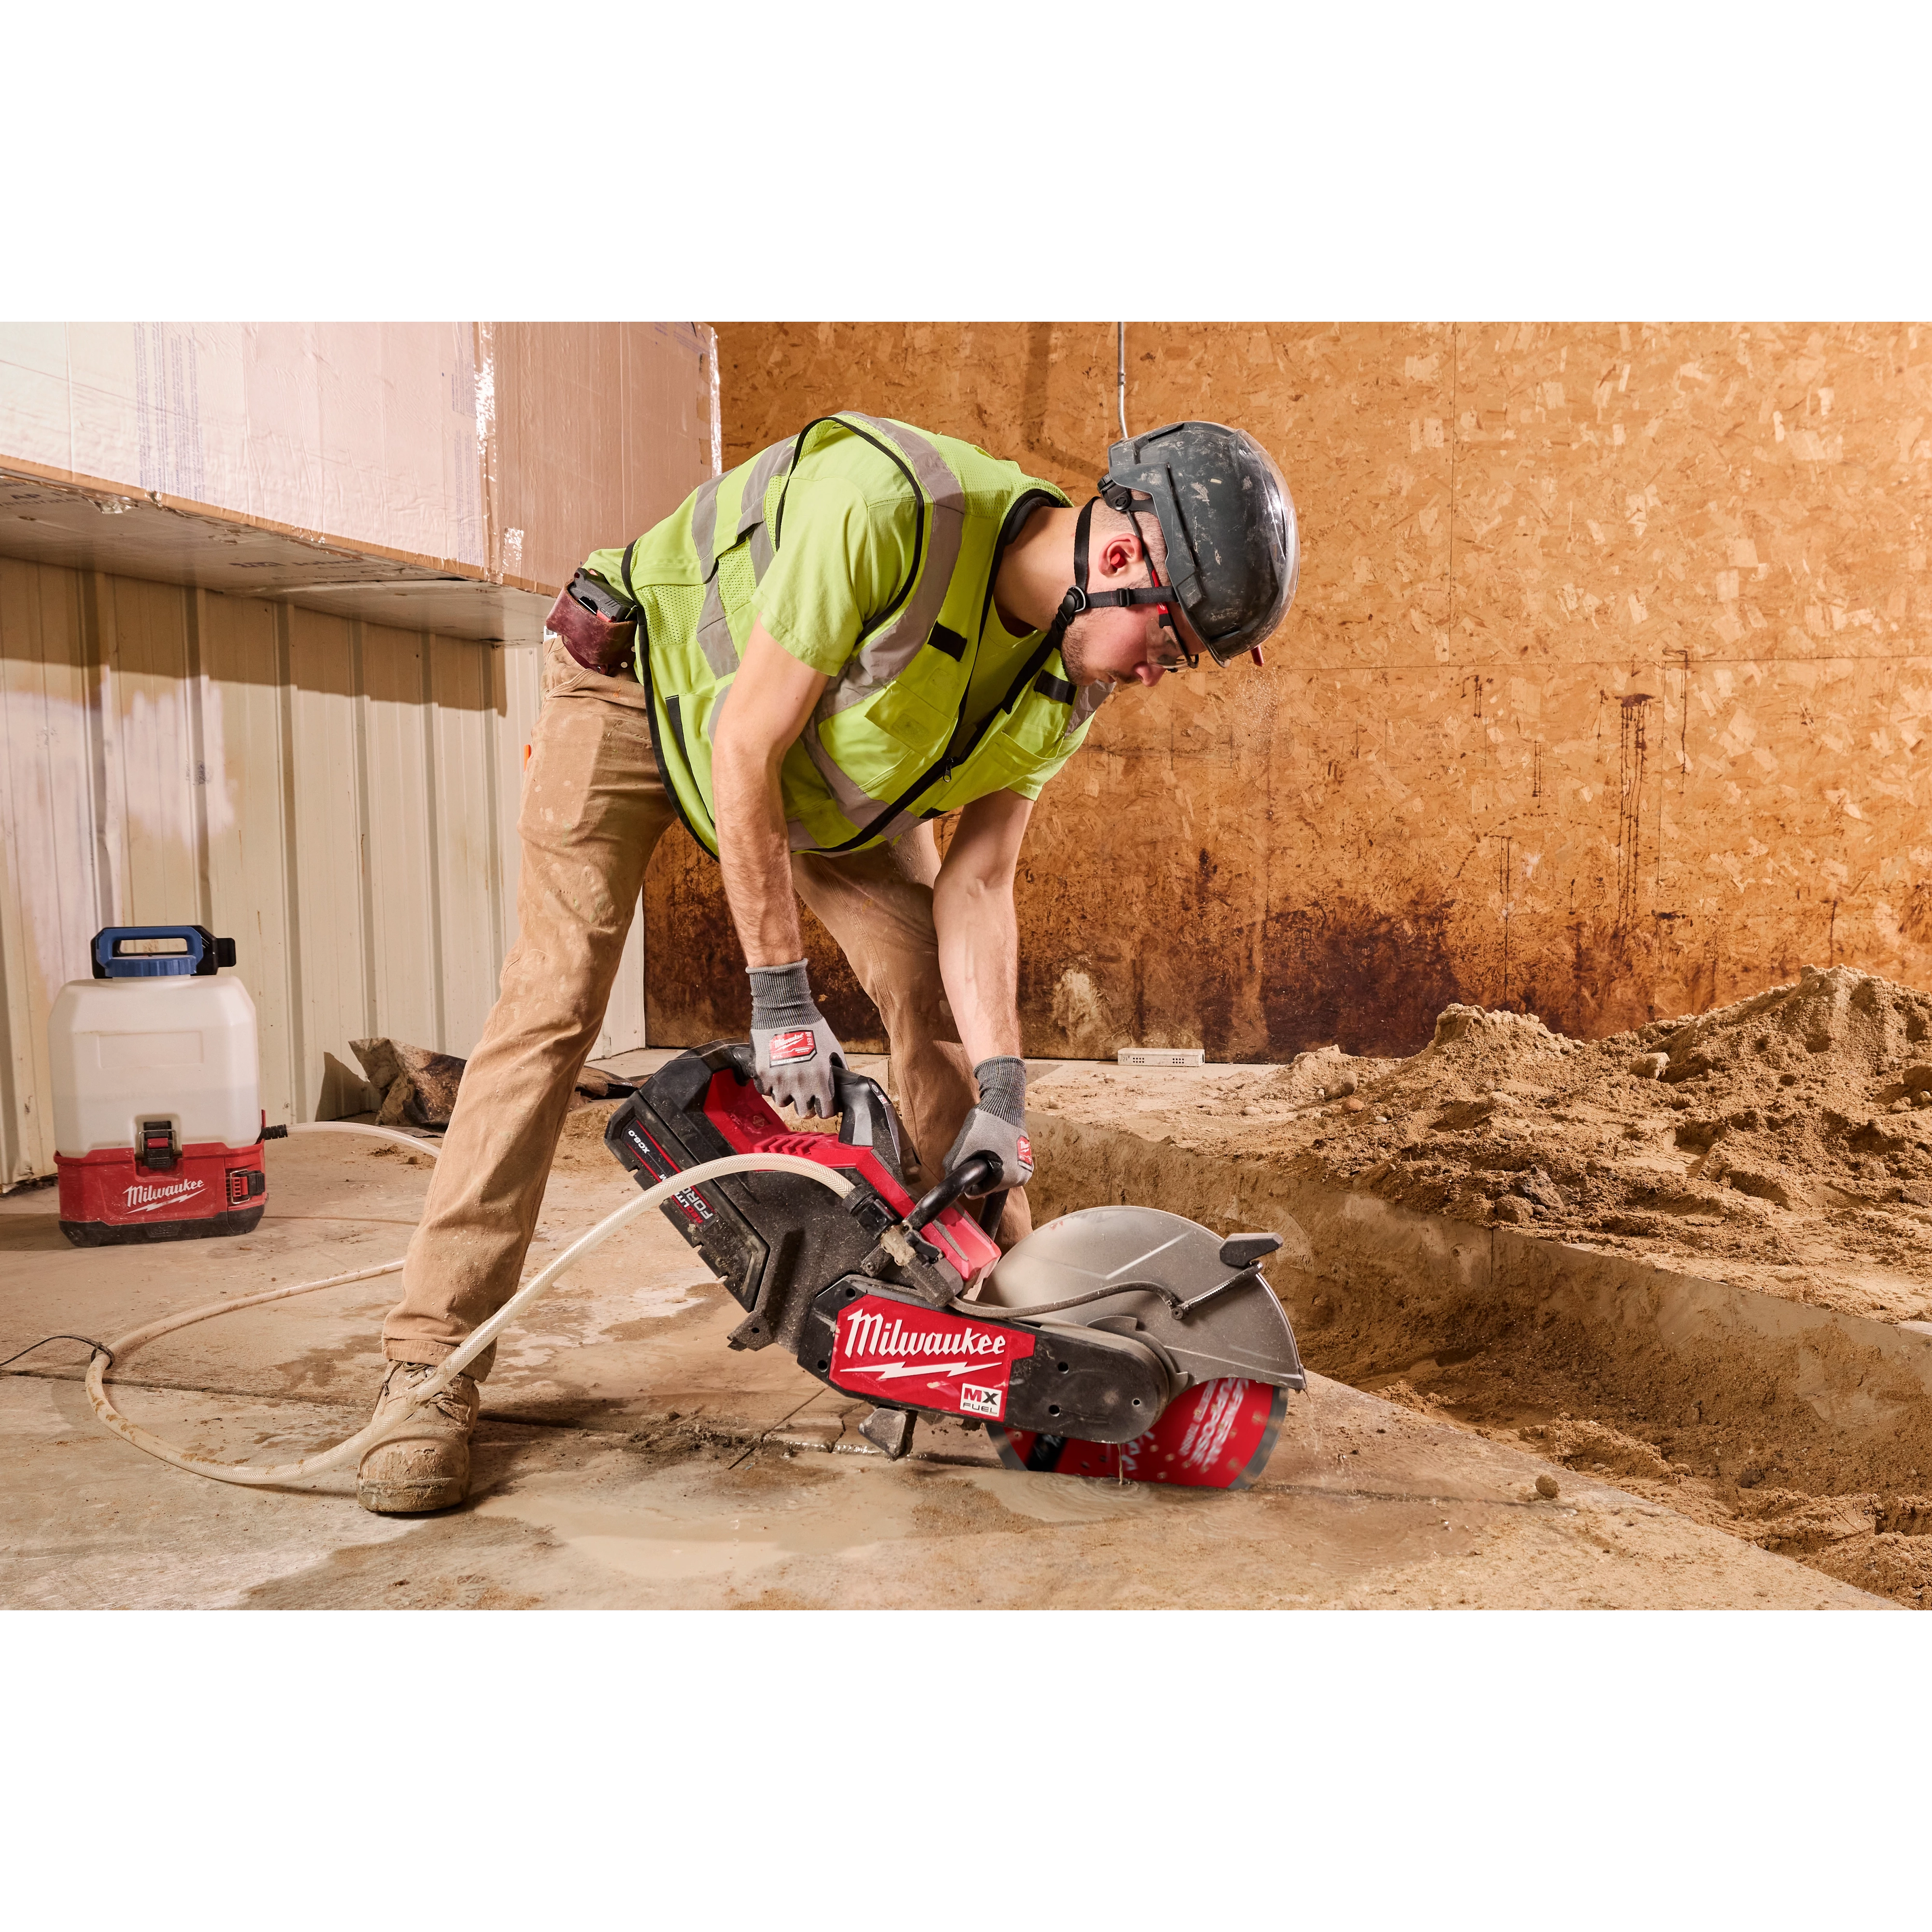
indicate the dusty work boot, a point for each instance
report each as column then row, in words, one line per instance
column 425, row 1465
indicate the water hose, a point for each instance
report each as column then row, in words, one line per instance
column 258, row 1475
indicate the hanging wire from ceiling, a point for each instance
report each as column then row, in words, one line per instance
column 1120, row 373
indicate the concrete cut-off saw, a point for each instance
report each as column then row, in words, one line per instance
column 1118, row 1342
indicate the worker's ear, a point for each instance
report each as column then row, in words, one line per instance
column 1118, row 554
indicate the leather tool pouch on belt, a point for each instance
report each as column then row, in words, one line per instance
column 598, row 626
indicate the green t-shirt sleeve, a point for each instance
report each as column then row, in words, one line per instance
column 1029, row 787
column 842, row 559
column 609, row 565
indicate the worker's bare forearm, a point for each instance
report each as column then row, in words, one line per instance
column 979, row 932
column 978, row 960
column 755, row 858
column 769, row 703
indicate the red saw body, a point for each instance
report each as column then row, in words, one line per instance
column 1121, row 1342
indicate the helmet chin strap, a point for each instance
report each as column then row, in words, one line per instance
column 1079, row 598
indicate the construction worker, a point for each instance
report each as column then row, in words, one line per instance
column 863, row 629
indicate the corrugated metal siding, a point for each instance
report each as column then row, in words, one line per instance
column 340, row 795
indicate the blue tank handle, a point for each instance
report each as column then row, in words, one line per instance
column 202, row 953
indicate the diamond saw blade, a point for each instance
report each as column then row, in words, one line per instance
column 1215, row 1435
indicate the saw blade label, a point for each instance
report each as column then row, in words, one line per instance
column 1215, row 1435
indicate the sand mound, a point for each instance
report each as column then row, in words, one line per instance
column 1787, row 1136
column 1476, row 1060
column 1727, row 1133
column 1596, row 1446
column 1326, row 1074
column 1470, row 1036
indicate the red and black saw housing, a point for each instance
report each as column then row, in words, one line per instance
column 809, row 1272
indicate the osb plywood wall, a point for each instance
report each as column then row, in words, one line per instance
column 1606, row 693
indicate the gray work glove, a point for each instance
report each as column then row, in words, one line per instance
column 796, row 1050
column 997, row 1125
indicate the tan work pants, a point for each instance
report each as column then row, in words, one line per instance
column 593, row 810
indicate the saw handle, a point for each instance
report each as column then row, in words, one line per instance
column 974, row 1175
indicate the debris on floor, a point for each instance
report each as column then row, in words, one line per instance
column 418, row 1086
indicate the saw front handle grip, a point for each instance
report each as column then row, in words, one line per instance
column 866, row 1121
column 974, row 1175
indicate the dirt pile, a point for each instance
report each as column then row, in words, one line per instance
column 1326, row 1074
column 1878, row 1540
column 1755, row 1132
column 1783, row 1142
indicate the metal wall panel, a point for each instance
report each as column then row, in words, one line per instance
column 328, row 855
column 147, row 729
column 248, row 794
column 340, row 795
column 400, row 810
column 49, row 908
column 461, row 720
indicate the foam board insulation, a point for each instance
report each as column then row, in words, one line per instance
column 447, row 475
column 367, row 433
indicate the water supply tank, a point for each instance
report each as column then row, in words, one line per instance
column 157, row 1085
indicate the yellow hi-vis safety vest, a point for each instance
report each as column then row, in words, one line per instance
column 936, row 704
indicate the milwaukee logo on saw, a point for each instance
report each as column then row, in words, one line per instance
column 144, row 1199
column 912, row 1355
column 787, row 1047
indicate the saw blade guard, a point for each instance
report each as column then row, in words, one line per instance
column 1237, row 1327
column 1201, row 1301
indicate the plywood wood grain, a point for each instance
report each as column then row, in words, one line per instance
column 1603, row 694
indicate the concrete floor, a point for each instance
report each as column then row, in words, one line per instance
column 626, row 1458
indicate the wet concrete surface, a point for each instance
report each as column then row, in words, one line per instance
column 626, row 1458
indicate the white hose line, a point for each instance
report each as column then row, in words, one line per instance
column 255, row 1475
column 127, row 1344
column 414, row 1140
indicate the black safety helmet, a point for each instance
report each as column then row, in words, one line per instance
column 1233, row 550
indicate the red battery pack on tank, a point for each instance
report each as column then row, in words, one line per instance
column 114, row 1196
